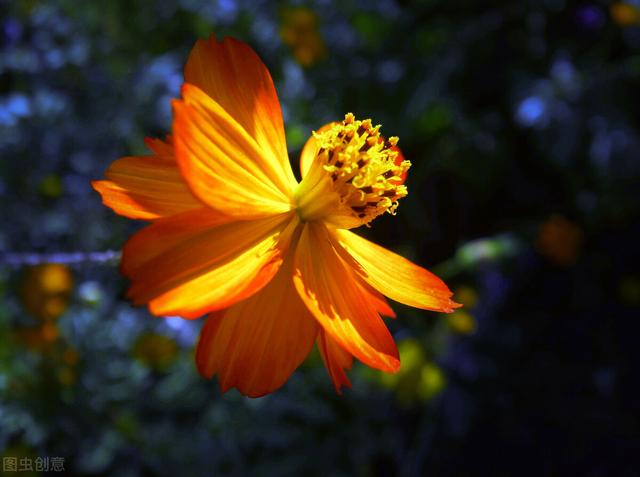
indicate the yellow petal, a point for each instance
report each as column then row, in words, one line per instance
column 190, row 274
column 146, row 187
column 310, row 150
column 256, row 344
column 335, row 359
column 222, row 164
column 329, row 289
column 233, row 75
column 395, row 276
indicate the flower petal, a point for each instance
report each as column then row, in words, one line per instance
column 166, row 234
column 377, row 299
column 328, row 287
column 335, row 359
column 201, row 269
column 161, row 148
column 310, row 150
column 222, row 164
column 233, row 75
column 395, row 276
column 256, row 344
column 146, row 187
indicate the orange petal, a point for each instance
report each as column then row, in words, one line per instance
column 189, row 273
column 395, row 276
column 377, row 299
column 222, row 164
column 336, row 360
column 146, row 187
column 255, row 345
column 166, row 234
column 159, row 147
column 329, row 289
column 310, row 150
column 233, row 75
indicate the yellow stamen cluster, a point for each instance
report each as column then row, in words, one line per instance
column 364, row 167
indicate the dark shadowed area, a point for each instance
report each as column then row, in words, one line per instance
column 521, row 119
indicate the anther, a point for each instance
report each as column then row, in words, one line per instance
column 360, row 163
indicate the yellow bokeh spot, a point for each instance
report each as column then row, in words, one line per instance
column 156, row 351
column 412, row 357
column 629, row 290
column 54, row 277
column 51, row 186
column 418, row 379
column 625, row 14
column 432, row 381
column 389, row 380
column 462, row 322
column 66, row 376
column 466, row 295
column 411, row 354
column 299, row 31
column 46, row 290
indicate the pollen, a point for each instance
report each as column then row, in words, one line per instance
column 366, row 169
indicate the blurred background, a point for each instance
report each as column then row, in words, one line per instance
column 521, row 119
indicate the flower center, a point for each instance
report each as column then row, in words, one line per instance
column 365, row 171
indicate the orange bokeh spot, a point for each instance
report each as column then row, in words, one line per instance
column 560, row 240
column 46, row 290
column 300, row 32
column 625, row 14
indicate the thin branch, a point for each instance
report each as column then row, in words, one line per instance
column 19, row 259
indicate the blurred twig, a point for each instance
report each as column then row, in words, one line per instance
column 19, row 259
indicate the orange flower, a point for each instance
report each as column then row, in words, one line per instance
column 271, row 260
